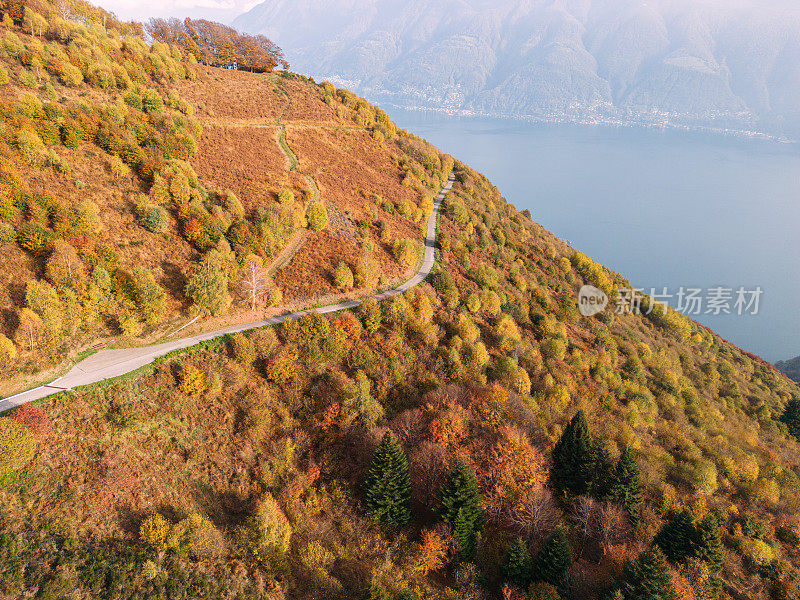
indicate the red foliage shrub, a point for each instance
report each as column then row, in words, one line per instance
column 33, row 418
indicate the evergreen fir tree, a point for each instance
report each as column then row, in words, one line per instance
column 709, row 549
column 791, row 416
column 649, row 578
column 374, row 591
column 553, row 559
column 518, row 565
column 626, row 486
column 460, row 507
column 573, row 457
column 387, row 488
column 677, row 538
column 603, row 472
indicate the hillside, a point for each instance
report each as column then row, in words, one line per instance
column 684, row 62
column 475, row 437
column 149, row 167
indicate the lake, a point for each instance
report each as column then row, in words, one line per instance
column 664, row 208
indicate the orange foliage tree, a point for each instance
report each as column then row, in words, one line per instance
column 513, row 472
column 218, row 45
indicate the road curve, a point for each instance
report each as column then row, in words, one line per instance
column 107, row 364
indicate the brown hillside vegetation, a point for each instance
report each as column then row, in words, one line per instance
column 149, row 165
column 473, row 438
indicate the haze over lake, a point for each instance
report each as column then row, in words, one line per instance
column 664, row 208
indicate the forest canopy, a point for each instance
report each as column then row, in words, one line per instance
column 217, row 45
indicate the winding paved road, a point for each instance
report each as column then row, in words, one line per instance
column 107, row 364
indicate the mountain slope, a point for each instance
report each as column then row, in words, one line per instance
column 692, row 62
column 791, row 368
column 115, row 174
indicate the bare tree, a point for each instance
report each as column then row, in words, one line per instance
column 599, row 524
column 537, row 517
column 613, row 525
column 254, row 283
column 429, row 465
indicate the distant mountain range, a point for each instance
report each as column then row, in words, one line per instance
column 790, row 368
column 729, row 64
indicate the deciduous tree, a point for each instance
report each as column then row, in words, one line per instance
column 208, row 289
column 254, row 282
column 17, row 446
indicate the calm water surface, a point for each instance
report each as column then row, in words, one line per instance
column 664, row 208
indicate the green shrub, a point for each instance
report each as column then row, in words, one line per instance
column 151, row 101
column 72, row 135
column 12, row 44
column 149, row 297
column 208, row 289
column 134, row 100
column 153, row 218
column 34, row 238
column 17, row 446
column 232, row 204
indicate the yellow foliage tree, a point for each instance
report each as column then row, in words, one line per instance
column 17, row 446
column 154, row 532
column 269, row 531
column 192, row 380
column 431, row 554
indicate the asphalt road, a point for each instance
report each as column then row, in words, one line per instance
column 108, row 364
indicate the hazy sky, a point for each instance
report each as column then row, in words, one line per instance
column 226, row 10
column 141, row 10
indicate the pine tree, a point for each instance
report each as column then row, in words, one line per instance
column 709, row 549
column 603, row 472
column 573, row 457
column 518, row 566
column 791, row 417
column 460, row 507
column 626, row 486
column 677, row 538
column 649, row 578
column 387, row 487
column 374, row 591
column 553, row 559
